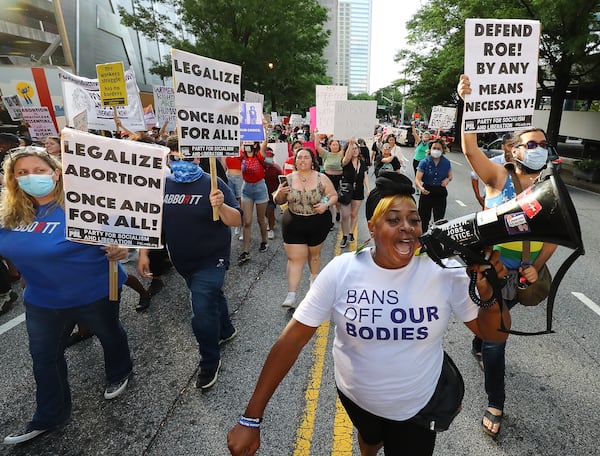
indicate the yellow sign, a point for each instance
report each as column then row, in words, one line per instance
column 111, row 78
column 25, row 90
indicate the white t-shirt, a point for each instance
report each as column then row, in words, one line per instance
column 389, row 326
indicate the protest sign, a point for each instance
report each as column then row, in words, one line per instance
column 149, row 117
column 164, row 106
column 354, row 118
column 80, row 121
column 501, row 61
column 111, row 79
column 81, row 94
column 251, row 128
column 442, row 118
column 313, row 118
column 253, row 97
column 280, row 152
column 40, row 121
column 113, row 190
column 326, row 97
column 12, row 103
column 207, row 97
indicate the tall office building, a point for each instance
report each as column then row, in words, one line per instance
column 330, row 53
column 354, row 45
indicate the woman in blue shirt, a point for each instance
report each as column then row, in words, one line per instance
column 32, row 236
column 434, row 173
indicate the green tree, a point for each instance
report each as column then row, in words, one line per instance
column 279, row 47
column 568, row 50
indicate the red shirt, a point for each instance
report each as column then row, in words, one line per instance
column 253, row 168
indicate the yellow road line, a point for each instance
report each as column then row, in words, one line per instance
column 342, row 426
column 304, row 433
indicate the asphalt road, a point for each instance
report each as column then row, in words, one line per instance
column 553, row 387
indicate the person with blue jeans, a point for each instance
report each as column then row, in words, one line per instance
column 32, row 236
column 200, row 250
column 529, row 158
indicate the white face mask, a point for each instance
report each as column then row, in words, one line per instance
column 436, row 153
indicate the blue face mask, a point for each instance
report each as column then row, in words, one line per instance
column 269, row 160
column 186, row 171
column 535, row 159
column 37, row 185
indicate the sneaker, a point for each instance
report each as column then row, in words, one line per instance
column 351, row 237
column 207, row 377
column 156, row 285
column 114, row 390
column 263, row 247
column 7, row 300
column 290, row 300
column 338, row 217
column 24, row 436
column 344, row 242
column 245, row 256
column 236, row 230
column 229, row 338
column 241, row 238
column 270, row 234
column 144, row 302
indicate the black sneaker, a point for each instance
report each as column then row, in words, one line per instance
column 229, row 338
column 207, row 377
column 344, row 242
column 351, row 237
column 114, row 390
column 24, row 436
column 245, row 256
column 155, row 286
column 144, row 301
column 338, row 216
column 263, row 247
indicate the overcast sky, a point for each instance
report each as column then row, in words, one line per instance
column 387, row 37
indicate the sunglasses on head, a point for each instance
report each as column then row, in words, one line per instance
column 534, row 144
column 27, row 150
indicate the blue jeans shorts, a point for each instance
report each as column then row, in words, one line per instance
column 256, row 192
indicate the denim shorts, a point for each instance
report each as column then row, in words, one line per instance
column 256, row 192
column 235, row 182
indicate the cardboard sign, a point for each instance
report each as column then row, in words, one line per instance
column 40, row 121
column 12, row 103
column 354, row 118
column 164, row 106
column 111, row 78
column 113, row 190
column 326, row 97
column 501, row 61
column 207, row 97
column 442, row 118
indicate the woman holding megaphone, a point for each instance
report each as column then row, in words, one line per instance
column 530, row 155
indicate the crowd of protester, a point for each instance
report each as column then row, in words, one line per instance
column 322, row 184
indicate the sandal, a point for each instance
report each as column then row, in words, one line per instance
column 494, row 419
column 478, row 357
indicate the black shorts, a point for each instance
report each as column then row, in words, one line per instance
column 305, row 229
column 398, row 437
column 335, row 180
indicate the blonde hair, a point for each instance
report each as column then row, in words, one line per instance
column 17, row 208
column 386, row 202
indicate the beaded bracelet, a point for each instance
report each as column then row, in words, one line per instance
column 250, row 422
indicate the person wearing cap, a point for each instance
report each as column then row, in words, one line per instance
column 387, row 347
column 272, row 173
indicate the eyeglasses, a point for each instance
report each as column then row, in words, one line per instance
column 534, row 144
column 25, row 151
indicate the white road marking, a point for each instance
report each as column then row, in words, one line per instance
column 12, row 323
column 455, row 162
column 587, row 301
column 460, row 203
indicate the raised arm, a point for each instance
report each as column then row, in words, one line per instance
column 415, row 133
column 490, row 173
